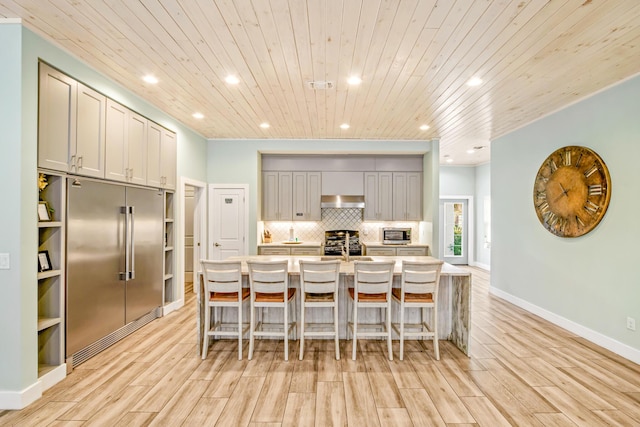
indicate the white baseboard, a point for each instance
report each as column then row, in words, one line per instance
column 617, row 347
column 481, row 265
column 16, row 400
column 172, row 306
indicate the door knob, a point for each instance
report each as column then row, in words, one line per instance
column 217, row 244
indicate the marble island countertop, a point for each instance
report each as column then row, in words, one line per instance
column 386, row 245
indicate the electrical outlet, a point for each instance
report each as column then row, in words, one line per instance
column 5, row 261
column 631, row 323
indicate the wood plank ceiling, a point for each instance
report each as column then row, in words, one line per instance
column 414, row 57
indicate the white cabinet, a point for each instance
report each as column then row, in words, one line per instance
column 307, row 188
column 161, row 157
column 306, row 251
column 378, row 187
column 273, row 251
column 413, row 251
column 382, row 250
column 277, row 204
column 126, row 145
column 407, row 196
column 71, row 125
column 51, row 279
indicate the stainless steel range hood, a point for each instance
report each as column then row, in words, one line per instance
column 342, row 201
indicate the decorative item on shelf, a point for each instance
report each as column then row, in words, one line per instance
column 266, row 236
column 42, row 182
column 44, row 211
column 44, row 262
column 572, row 191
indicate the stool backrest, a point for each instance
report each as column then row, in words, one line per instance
column 373, row 277
column 319, row 276
column 222, row 276
column 421, row 277
column 268, row 277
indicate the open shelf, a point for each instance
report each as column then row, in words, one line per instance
column 47, row 322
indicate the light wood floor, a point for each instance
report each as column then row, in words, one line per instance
column 523, row 372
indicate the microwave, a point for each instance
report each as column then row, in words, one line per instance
column 396, row 236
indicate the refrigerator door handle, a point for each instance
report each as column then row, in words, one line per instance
column 132, row 242
column 124, row 275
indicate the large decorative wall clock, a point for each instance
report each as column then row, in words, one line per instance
column 572, row 191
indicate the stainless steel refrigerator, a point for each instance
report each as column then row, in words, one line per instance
column 114, row 261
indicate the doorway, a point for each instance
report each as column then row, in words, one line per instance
column 189, row 238
column 456, row 232
column 228, row 221
column 193, row 232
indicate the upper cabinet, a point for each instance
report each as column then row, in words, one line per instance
column 407, row 196
column 71, row 130
column 81, row 131
column 126, row 157
column 277, row 204
column 307, row 189
column 378, row 191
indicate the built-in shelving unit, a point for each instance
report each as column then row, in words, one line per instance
column 51, row 280
column 169, row 253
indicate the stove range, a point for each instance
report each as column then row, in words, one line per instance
column 334, row 242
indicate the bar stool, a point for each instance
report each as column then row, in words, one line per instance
column 319, row 288
column 372, row 289
column 269, row 284
column 223, row 288
column 419, row 289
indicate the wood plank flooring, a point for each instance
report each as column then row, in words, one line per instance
column 523, row 371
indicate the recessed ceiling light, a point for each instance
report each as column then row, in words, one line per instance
column 198, row 116
column 449, row 160
column 150, row 79
column 471, row 151
column 354, row 80
column 344, row 126
column 264, row 125
column 232, row 80
column 474, row 81
column 424, row 127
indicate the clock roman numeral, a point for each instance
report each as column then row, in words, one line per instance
column 579, row 221
column 593, row 169
column 595, row 190
column 553, row 166
column 567, row 158
column 543, row 178
column 541, row 195
column 579, row 160
column 591, row 207
column 544, row 207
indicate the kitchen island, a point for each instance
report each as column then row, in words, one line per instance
column 454, row 298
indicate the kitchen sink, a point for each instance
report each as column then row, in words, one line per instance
column 351, row 258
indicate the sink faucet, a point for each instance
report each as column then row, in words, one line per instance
column 345, row 248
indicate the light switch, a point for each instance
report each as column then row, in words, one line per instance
column 5, row 261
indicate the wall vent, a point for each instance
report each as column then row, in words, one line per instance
column 320, row 85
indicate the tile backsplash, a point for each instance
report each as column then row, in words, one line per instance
column 333, row 219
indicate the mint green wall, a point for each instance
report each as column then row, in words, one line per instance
column 19, row 55
column 592, row 280
column 18, row 235
column 237, row 161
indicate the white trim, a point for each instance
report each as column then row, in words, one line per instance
column 172, row 306
column 200, row 229
column 480, row 265
column 10, row 20
column 244, row 187
column 595, row 337
column 16, row 400
column 471, row 235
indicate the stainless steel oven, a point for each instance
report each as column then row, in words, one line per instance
column 334, row 242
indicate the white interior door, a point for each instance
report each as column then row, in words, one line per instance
column 227, row 222
column 455, row 231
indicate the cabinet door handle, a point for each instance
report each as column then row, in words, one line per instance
column 79, row 162
column 73, row 162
